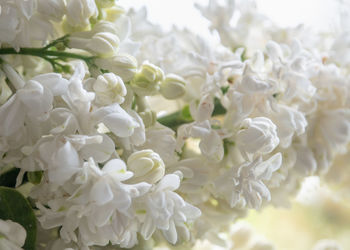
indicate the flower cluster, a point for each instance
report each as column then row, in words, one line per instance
column 83, row 85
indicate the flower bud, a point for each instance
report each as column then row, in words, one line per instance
column 109, row 88
column 147, row 166
column 149, row 117
column 103, row 44
column 173, row 87
column 146, row 81
column 123, row 65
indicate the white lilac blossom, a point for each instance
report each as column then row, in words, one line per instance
column 132, row 136
column 246, row 182
column 22, row 23
column 257, row 135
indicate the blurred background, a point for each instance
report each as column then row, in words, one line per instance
column 319, row 14
column 320, row 211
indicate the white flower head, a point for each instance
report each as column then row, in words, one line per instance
column 109, row 89
column 165, row 210
column 17, row 17
column 257, row 136
column 246, row 183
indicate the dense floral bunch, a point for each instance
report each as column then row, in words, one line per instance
column 82, row 84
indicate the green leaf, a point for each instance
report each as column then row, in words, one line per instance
column 13, row 206
column 8, row 177
column 186, row 113
column 35, row 177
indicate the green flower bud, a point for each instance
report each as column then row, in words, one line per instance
column 173, row 87
column 147, row 166
column 146, row 81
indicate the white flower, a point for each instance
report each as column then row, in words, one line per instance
column 251, row 83
column 203, row 110
column 32, row 101
column 117, row 120
column 109, row 88
column 17, row 18
column 12, row 235
column 335, row 128
column 62, row 159
column 165, row 210
column 147, row 166
column 79, row 12
column 257, row 136
column 211, row 144
column 161, row 140
column 289, row 121
column 96, row 207
column 53, row 9
column 246, row 182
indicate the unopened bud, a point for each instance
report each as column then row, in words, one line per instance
column 123, row 65
column 147, row 166
column 173, row 87
column 109, row 88
column 146, row 81
column 103, row 44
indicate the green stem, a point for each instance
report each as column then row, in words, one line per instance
column 55, row 42
column 40, row 52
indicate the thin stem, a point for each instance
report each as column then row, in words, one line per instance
column 53, row 43
column 40, row 52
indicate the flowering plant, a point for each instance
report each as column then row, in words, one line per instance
column 83, row 84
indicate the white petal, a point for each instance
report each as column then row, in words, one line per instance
column 54, row 82
column 101, row 192
column 120, row 124
column 171, row 234
column 169, row 182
